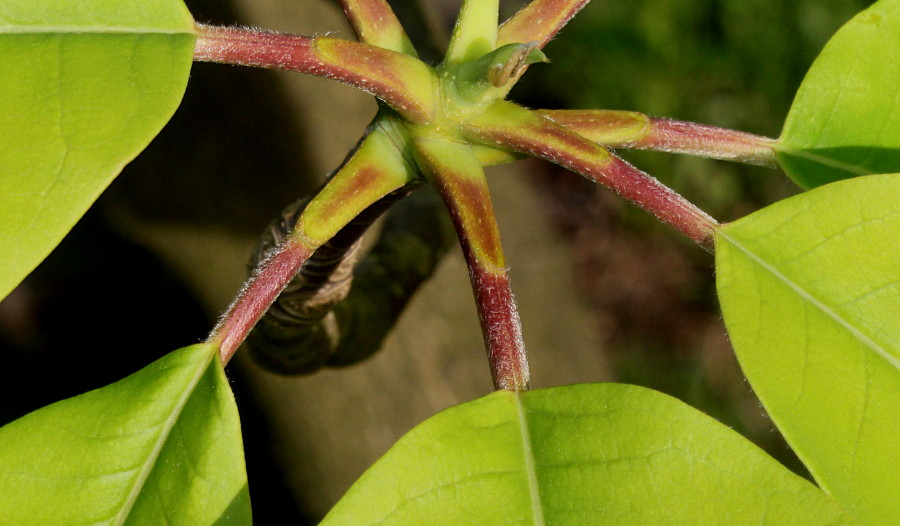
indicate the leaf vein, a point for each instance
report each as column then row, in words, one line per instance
column 537, row 510
column 815, row 302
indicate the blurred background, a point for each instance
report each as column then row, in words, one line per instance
column 605, row 292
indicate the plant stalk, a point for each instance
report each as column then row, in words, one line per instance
column 513, row 127
column 403, row 82
column 457, row 175
column 333, row 314
column 500, row 326
column 539, row 21
column 629, row 129
column 257, row 295
column 374, row 22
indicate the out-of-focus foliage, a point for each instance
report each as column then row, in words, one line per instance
column 731, row 63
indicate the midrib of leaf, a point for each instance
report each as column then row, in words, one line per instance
column 170, row 422
column 40, row 30
column 846, row 324
column 537, row 509
column 821, row 159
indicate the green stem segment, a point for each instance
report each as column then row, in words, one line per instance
column 629, row 129
column 374, row 23
column 509, row 126
column 456, row 173
column 475, row 32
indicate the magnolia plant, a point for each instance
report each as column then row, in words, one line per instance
column 808, row 285
column 441, row 126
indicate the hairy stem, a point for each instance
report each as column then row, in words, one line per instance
column 257, row 295
column 415, row 236
column 539, row 21
column 401, row 81
column 628, row 129
column 374, row 170
column 297, row 336
column 375, row 23
column 500, row 326
column 475, row 32
column 515, row 128
column 456, row 173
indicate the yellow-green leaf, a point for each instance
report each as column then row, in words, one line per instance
column 810, row 290
column 162, row 446
column 86, row 86
column 579, row 455
column 845, row 120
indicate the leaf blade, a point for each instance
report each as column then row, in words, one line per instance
column 152, row 15
column 810, row 291
column 600, row 453
column 115, row 455
column 845, row 119
column 80, row 102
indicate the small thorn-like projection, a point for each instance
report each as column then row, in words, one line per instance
column 499, row 75
column 440, row 125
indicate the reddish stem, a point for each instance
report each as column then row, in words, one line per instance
column 538, row 21
column 374, row 22
column 270, row 278
column 456, row 173
column 673, row 136
column 648, row 193
column 629, row 129
column 252, row 47
column 399, row 80
column 524, row 131
column 500, row 326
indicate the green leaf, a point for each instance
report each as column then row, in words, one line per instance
column 86, row 86
column 845, row 119
column 583, row 454
column 810, row 290
column 162, row 446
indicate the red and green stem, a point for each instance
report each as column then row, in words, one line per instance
column 403, row 82
column 449, row 140
column 375, row 170
column 630, row 129
column 539, row 21
column 374, row 23
column 269, row 279
column 456, row 173
column 507, row 125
